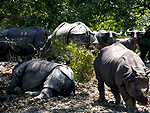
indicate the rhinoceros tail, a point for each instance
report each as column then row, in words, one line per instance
column 67, row 92
column 73, row 88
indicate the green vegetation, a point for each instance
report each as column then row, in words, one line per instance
column 81, row 59
column 97, row 14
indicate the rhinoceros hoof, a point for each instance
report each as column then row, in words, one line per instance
column 31, row 93
column 102, row 99
column 18, row 90
column 132, row 110
column 40, row 96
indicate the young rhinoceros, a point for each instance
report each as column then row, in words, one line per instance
column 51, row 79
column 124, row 72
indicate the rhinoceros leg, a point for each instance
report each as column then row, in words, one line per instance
column 101, row 91
column 130, row 101
column 45, row 93
column 116, row 95
column 13, row 84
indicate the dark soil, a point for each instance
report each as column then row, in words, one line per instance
column 85, row 99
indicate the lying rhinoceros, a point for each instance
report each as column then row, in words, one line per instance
column 124, row 72
column 51, row 79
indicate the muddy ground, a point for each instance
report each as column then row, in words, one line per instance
column 85, row 99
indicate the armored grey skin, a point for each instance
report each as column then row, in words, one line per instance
column 51, row 79
column 78, row 32
column 124, row 72
column 24, row 41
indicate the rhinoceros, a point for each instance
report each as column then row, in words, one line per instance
column 24, row 41
column 50, row 78
column 124, row 72
column 78, row 32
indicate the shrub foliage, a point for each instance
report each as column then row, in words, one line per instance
column 80, row 59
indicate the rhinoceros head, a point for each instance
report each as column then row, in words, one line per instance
column 138, row 85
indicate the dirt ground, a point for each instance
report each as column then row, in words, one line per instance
column 85, row 99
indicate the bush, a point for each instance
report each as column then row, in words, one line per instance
column 80, row 59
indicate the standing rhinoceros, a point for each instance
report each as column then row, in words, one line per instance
column 24, row 41
column 78, row 32
column 51, row 79
column 124, row 72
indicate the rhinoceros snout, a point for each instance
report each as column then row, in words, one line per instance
column 145, row 92
column 144, row 101
column 142, row 96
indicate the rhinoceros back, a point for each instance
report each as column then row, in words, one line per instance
column 62, row 30
column 22, row 41
column 111, row 54
column 106, row 62
column 36, row 73
column 61, row 80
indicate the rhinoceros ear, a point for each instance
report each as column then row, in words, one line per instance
column 128, row 72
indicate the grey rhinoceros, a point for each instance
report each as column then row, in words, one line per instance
column 50, row 78
column 124, row 72
column 24, row 41
column 78, row 32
